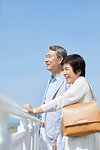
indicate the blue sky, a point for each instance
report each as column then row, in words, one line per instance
column 28, row 28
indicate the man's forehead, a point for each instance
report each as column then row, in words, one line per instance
column 51, row 52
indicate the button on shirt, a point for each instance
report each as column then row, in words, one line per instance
column 49, row 91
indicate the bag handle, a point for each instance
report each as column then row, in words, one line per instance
column 91, row 91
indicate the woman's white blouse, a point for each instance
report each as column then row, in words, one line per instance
column 79, row 92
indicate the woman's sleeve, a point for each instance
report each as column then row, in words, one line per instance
column 72, row 95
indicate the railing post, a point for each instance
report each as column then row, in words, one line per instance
column 23, row 128
column 5, row 137
column 36, row 136
column 31, row 134
column 34, row 125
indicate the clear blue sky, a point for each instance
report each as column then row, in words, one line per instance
column 28, row 28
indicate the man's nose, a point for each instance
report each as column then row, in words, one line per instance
column 46, row 59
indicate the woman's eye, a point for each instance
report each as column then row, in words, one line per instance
column 66, row 68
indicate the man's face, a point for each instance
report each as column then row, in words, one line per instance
column 52, row 61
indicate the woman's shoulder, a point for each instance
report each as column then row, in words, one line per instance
column 81, row 79
column 81, row 83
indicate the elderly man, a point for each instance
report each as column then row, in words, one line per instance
column 50, row 130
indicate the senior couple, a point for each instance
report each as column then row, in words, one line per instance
column 67, row 85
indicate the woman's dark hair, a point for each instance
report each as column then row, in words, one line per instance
column 76, row 62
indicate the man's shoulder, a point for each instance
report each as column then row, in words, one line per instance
column 62, row 77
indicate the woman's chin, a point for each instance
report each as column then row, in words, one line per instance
column 68, row 81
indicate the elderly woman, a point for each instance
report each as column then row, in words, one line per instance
column 79, row 92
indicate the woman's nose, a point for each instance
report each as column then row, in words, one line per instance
column 63, row 72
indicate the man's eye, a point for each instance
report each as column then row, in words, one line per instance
column 50, row 56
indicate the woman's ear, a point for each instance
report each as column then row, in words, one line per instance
column 78, row 72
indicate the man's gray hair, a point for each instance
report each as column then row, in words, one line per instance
column 60, row 51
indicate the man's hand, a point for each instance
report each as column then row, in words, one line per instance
column 29, row 108
column 32, row 110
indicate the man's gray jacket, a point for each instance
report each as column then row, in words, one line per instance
column 53, row 119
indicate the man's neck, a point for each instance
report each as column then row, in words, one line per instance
column 55, row 74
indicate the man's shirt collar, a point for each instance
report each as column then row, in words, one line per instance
column 54, row 79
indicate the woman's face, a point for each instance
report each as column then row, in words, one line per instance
column 69, row 73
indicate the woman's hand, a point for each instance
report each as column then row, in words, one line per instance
column 32, row 110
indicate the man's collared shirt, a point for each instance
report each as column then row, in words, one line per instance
column 49, row 91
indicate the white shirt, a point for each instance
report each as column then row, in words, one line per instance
column 79, row 92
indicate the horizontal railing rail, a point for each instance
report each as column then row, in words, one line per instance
column 27, row 135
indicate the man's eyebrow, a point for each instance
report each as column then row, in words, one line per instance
column 48, row 54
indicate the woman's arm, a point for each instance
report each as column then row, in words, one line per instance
column 32, row 110
column 72, row 95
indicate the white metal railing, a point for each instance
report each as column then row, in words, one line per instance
column 27, row 136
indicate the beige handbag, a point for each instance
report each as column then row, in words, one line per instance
column 81, row 119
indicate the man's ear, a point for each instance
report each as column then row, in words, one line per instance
column 60, row 59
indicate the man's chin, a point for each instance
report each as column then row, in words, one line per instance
column 48, row 69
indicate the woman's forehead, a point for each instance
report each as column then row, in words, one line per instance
column 66, row 65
